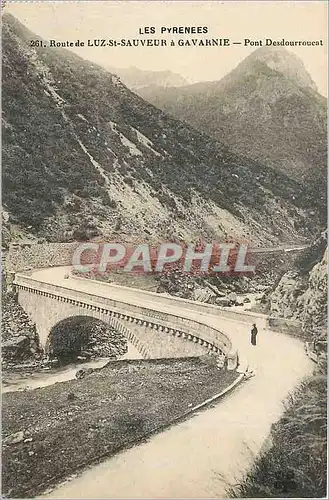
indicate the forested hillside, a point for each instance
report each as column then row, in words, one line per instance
column 85, row 156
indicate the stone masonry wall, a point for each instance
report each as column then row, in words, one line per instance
column 33, row 256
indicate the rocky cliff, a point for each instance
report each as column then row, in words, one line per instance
column 301, row 294
column 19, row 337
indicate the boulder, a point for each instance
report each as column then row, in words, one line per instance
column 15, row 348
column 15, row 438
column 224, row 302
column 83, row 372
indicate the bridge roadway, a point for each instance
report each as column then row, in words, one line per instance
column 196, row 311
column 201, row 457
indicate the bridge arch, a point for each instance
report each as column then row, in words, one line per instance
column 152, row 331
column 72, row 333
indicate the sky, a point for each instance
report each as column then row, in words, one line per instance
column 292, row 20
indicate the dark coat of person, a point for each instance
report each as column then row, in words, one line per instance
column 254, row 332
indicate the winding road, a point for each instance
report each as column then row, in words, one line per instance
column 203, row 456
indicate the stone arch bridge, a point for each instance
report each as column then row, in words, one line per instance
column 154, row 332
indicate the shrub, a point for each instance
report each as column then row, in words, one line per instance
column 296, row 464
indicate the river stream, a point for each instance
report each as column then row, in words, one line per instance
column 32, row 379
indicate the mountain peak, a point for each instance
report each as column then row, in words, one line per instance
column 267, row 109
column 283, row 61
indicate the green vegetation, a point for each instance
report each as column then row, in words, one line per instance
column 296, row 464
column 56, row 104
column 274, row 116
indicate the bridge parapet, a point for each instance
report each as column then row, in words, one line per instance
column 153, row 317
column 187, row 304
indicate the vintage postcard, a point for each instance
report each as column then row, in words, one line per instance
column 164, row 249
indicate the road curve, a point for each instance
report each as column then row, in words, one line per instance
column 201, row 457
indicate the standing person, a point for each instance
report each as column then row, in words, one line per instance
column 254, row 332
